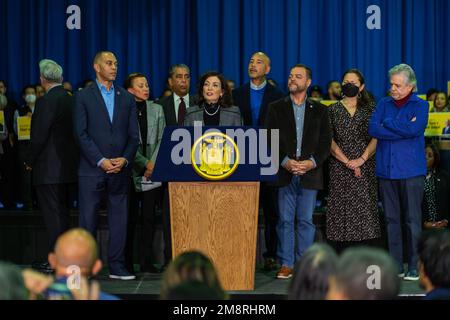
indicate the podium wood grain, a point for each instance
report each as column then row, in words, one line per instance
column 219, row 219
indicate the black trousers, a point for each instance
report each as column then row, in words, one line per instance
column 8, row 179
column 166, row 224
column 141, row 212
column 269, row 199
column 54, row 203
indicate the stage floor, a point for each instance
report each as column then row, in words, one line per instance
column 267, row 287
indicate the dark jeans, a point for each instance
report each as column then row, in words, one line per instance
column 403, row 196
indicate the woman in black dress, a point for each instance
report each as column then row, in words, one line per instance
column 436, row 196
column 352, row 215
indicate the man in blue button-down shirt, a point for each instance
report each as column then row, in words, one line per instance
column 399, row 124
column 107, row 130
column 304, row 145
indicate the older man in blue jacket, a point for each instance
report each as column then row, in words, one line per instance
column 399, row 124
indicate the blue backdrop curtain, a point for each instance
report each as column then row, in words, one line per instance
column 150, row 35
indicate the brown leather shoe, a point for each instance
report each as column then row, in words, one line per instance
column 284, row 273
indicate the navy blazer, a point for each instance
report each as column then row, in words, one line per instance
column 97, row 136
column 241, row 98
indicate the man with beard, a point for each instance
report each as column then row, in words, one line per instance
column 334, row 90
column 304, row 145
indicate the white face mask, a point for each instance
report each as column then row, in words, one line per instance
column 30, row 98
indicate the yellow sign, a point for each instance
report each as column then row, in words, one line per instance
column 422, row 96
column 438, row 124
column 23, row 128
column 215, row 156
column 2, row 122
column 328, row 102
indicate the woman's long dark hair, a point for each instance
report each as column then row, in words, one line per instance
column 365, row 98
column 437, row 157
column 226, row 100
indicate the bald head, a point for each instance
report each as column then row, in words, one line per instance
column 75, row 247
column 263, row 56
column 258, row 67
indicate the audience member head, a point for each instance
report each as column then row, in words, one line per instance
column 105, row 66
column 51, row 73
column 434, row 259
column 316, row 93
column 440, row 101
column 68, row 86
column 403, row 81
column 299, row 80
column 353, row 85
column 431, row 94
column 3, row 87
column 334, row 90
column 312, row 272
column 40, row 91
column 87, row 83
column 212, row 89
column 364, row 273
column 29, row 95
column 12, row 285
column 231, row 84
column 137, row 85
column 75, row 247
column 180, row 79
column 432, row 155
column 258, row 67
column 187, row 267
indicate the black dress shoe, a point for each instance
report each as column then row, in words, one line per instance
column 150, row 269
column 270, row 264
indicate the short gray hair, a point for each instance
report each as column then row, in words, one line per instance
column 407, row 71
column 175, row 66
column 51, row 71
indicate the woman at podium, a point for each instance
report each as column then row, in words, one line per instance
column 214, row 104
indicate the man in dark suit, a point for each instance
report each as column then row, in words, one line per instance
column 106, row 128
column 174, row 107
column 179, row 101
column 304, row 145
column 253, row 99
column 54, row 155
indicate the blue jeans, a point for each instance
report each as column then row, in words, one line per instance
column 403, row 194
column 295, row 202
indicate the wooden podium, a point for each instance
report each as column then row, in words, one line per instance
column 220, row 219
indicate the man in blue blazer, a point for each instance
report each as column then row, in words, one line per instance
column 107, row 131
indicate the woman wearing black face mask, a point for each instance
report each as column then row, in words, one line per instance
column 352, row 216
